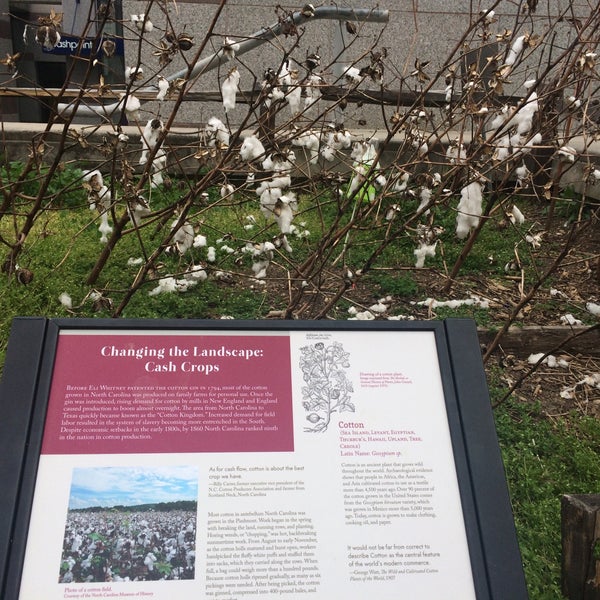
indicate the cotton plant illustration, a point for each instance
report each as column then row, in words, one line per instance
column 328, row 389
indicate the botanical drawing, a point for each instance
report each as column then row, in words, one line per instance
column 327, row 388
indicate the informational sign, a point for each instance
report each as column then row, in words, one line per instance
column 254, row 461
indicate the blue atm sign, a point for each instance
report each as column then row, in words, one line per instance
column 72, row 45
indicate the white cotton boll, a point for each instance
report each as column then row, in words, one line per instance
column 422, row 147
column 529, row 83
column 104, row 228
column 165, row 286
column 569, row 319
column 568, row 393
column 229, row 89
column 595, row 175
column 183, row 238
column 380, row 181
column 134, row 262
column 285, row 244
column 137, row 211
column 516, row 216
column 227, row 249
column 259, row 268
column 142, row 23
column 283, row 77
column 199, row 241
column 135, row 72
column 534, row 141
column 163, row 88
column 567, row 153
column 151, row 133
column 251, row 148
column 363, row 316
column 593, row 308
column 132, row 107
column 227, row 190
column 352, row 75
column 535, row 358
column 211, row 254
column 422, row 252
column 402, row 182
column 312, row 90
column 524, row 125
column 217, row 132
column 456, row 153
column 268, row 200
column 156, row 180
column 425, row 197
column 378, row 308
column 515, row 50
column 280, row 182
column 499, row 120
column 534, row 240
column 267, row 164
column 448, row 91
column 284, row 215
column 196, row 273
column 502, row 151
column 66, row 300
column 94, row 178
column 230, row 48
column 574, row 102
column 294, row 99
column 522, row 174
column 310, row 141
column 469, row 209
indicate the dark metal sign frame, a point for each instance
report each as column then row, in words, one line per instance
column 24, row 392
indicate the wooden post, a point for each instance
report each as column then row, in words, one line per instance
column 580, row 525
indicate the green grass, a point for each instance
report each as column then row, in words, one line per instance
column 545, row 459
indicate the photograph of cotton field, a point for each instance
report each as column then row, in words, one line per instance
column 130, row 524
